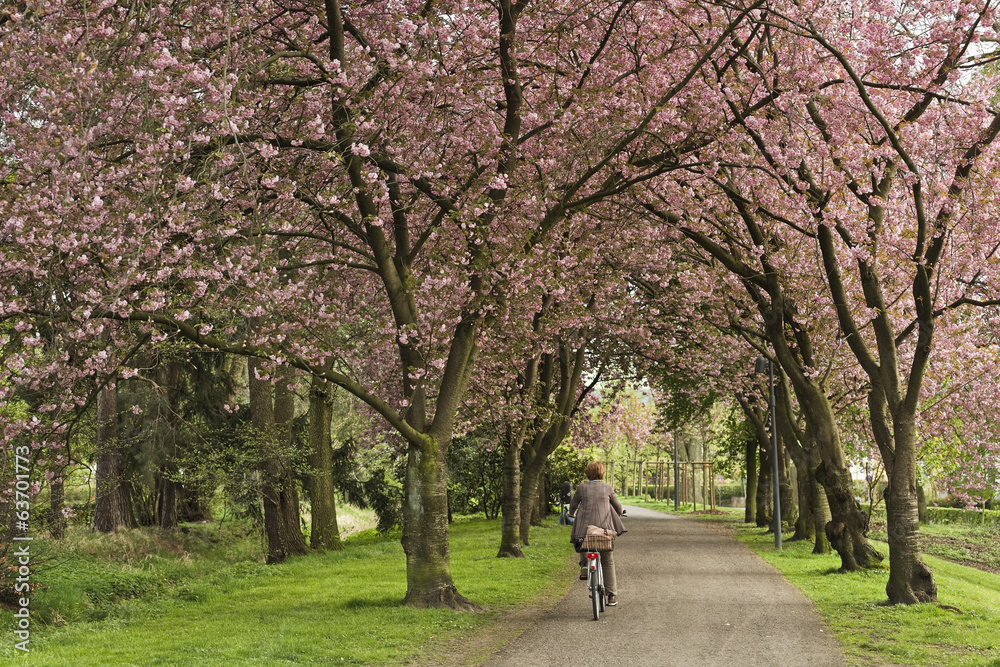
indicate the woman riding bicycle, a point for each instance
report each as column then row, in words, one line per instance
column 596, row 504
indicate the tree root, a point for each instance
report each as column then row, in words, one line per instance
column 446, row 597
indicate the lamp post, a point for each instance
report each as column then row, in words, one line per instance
column 763, row 365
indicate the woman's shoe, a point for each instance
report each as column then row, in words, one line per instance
column 612, row 600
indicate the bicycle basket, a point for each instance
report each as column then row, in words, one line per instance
column 597, row 543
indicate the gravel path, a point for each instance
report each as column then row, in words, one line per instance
column 689, row 595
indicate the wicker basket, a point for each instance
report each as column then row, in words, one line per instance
column 597, row 543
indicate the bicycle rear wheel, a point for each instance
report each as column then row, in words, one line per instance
column 595, row 595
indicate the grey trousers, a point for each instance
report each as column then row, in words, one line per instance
column 608, row 566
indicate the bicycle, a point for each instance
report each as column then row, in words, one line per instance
column 595, row 583
column 595, row 572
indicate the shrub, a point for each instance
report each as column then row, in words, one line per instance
column 384, row 492
column 724, row 494
column 475, row 476
column 565, row 464
column 964, row 516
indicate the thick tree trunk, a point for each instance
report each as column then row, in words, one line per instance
column 814, row 510
column 750, row 513
column 425, row 530
column 112, row 503
column 281, row 511
column 894, row 395
column 818, row 504
column 910, row 580
column 847, row 528
column 510, row 502
column 324, row 533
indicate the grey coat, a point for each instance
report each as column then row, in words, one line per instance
column 598, row 506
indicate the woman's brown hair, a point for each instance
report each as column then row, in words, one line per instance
column 595, row 470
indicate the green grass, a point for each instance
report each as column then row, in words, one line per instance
column 875, row 633
column 337, row 608
column 89, row 577
column 872, row 632
column 961, row 542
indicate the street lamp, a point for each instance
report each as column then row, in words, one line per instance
column 763, row 365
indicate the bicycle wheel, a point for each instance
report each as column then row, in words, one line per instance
column 595, row 594
column 603, row 593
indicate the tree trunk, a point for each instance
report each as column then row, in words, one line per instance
column 57, row 523
column 513, row 447
column 530, row 475
column 818, row 503
column 893, row 397
column 283, row 480
column 910, row 580
column 167, row 507
column 761, row 445
column 281, row 512
column 847, row 529
column 791, row 438
column 542, row 506
column 190, row 506
column 112, row 503
column 792, row 349
column 848, row 526
column 750, row 513
column 789, row 511
column 765, row 492
column 532, row 478
column 425, row 530
column 324, row 533
column 510, row 502
column 921, row 505
column 562, row 375
column 805, row 529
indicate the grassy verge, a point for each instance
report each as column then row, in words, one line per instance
column 965, row 544
column 338, row 608
column 870, row 631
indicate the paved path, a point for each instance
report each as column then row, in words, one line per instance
column 689, row 595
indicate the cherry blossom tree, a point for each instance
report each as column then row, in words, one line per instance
column 867, row 163
column 370, row 184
